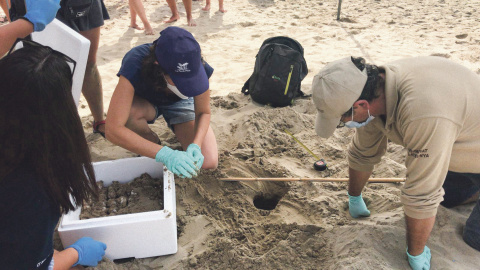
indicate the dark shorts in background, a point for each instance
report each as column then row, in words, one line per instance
column 93, row 19
column 460, row 187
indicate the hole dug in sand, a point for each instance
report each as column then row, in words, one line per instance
column 266, row 201
column 270, row 195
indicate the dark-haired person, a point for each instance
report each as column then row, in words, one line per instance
column 39, row 14
column 429, row 105
column 86, row 17
column 42, row 161
column 166, row 78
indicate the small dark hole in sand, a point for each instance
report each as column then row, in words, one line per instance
column 123, row 260
column 266, row 202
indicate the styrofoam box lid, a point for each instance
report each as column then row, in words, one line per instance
column 62, row 38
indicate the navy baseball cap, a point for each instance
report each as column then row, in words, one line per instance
column 178, row 53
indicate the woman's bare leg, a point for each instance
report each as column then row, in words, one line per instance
column 136, row 8
column 188, row 10
column 92, row 83
column 173, row 7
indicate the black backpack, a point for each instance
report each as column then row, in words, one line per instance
column 278, row 72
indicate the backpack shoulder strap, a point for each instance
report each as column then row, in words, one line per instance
column 245, row 87
column 300, row 93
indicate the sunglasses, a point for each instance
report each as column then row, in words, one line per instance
column 20, row 43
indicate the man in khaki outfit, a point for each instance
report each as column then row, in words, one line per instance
column 429, row 105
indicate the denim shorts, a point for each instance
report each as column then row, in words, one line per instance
column 179, row 112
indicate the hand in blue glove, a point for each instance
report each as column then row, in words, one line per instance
column 420, row 262
column 41, row 12
column 357, row 207
column 176, row 161
column 194, row 151
column 90, row 252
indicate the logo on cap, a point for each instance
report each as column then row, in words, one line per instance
column 182, row 67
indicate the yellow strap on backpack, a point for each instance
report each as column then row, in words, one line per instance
column 288, row 80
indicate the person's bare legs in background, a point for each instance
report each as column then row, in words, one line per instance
column 188, row 10
column 220, row 6
column 136, row 8
column 175, row 16
column 92, row 83
column 5, row 5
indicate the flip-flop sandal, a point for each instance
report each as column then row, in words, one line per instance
column 96, row 125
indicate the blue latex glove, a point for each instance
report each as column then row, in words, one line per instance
column 90, row 252
column 194, row 151
column 179, row 162
column 357, row 207
column 420, row 262
column 41, row 12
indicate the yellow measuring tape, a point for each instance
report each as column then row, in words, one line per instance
column 299, row 142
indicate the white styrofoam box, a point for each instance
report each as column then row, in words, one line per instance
column 138, row 235
column 62, row 38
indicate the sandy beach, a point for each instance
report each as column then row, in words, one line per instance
column 220, row 225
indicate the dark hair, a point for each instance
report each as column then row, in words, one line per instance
column 153, row 71
column 374, row 83
column 41, row 127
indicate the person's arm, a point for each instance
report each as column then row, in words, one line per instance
column 10, row 32
column 85, row 251
column 357, row 181
column 118, row 113
column 39, row 14
column 429, row 143
column 202, row 117
column 418, row 231
column 64, row 259
column 368, row 146
column 366, row 149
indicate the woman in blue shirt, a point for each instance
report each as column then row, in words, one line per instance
column 165, row 78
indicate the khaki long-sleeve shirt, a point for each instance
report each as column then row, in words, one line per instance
column 433, row 110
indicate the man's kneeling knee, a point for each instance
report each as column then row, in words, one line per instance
column 471, row 232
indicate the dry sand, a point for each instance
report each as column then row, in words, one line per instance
column 310, row 228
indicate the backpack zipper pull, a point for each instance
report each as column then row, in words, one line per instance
column 288, row 80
